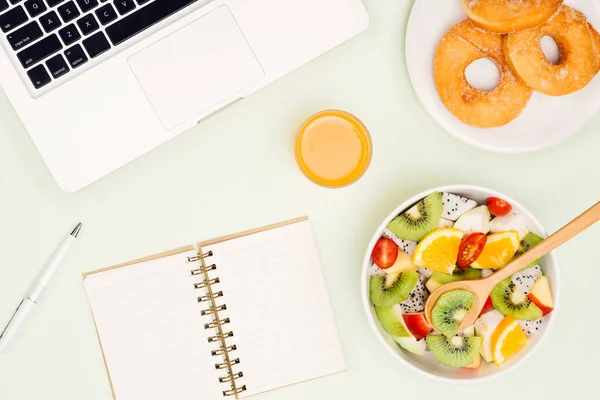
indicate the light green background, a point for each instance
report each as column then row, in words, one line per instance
column 236, row 171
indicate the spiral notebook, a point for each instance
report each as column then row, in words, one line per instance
column 235, row 316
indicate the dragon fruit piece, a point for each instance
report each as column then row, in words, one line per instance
column 407, row 246
column 425, row 272
column 531, row 327
column 417, row 297
column 525, row 279
column 374, row 270
column 455, row 206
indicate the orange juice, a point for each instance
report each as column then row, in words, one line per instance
column 333, row 148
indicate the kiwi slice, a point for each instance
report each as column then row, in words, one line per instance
column 459, row 274
column 456, row 352
column 530, row 240
column 509, row 300
column 390, row 319
column 418, row 221
column 390, row 289
column 450, row 310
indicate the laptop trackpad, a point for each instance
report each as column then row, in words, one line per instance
column 196, row 67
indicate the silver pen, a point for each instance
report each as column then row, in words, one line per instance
column 32, row 298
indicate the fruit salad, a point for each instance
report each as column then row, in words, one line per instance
column 447, row 238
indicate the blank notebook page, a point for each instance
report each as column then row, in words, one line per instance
column 278, row 308
column 153, row 338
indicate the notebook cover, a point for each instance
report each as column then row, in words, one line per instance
column 250, row 232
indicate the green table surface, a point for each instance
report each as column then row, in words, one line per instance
column 236, row 171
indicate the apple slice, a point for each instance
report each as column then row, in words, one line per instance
column 476, row 364
column 541, row 295
column 403, row 263
column 417, row 325
column 476, row 220
column 511, row 222
column 469, row 332
column 485, row 327
column 411, row 345
column 444, row 223
column 432, row 285
column 488, row 306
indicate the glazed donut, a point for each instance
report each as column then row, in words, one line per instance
column 463, row 44
column 578, row 63
column 595, row 42
column 505, row 16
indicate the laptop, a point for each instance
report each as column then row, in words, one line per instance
column 98, row 83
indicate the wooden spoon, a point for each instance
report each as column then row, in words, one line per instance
column 481, row 288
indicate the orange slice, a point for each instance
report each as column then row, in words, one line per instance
column 498, row 251
column 507, row 339
column 438, row 250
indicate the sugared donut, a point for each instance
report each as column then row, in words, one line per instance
column 504, row 16
column 463, row 44
column 578, row 63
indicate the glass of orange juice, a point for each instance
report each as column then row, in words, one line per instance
column 333, row 148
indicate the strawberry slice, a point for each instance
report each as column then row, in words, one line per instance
column 417, row 325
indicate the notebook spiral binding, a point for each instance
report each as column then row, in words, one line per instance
column 217, row 324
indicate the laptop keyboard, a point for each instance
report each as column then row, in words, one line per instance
column 52, row 38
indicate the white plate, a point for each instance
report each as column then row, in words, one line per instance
column 545, row 122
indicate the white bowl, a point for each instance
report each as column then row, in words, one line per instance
column 427, row 365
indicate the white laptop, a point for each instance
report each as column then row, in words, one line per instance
column 98, row 83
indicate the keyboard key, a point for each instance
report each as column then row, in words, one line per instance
column 25, row 35
column 140, row 2
column 52, row 3
column 106, row 14
column 96, row 45
column 50, row 21
column 76, row 56
column 14, row 1
column 39, row 77
column 69, row 11
column 57, row 66
column 13, row 18
column 88, row 24
column 69, row 34
column 3, row 5
column 87, row 5
column 124, row 6
column 39, row 51
column 144, row 18
column 35, row 7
